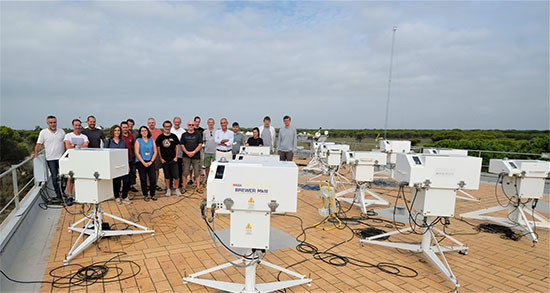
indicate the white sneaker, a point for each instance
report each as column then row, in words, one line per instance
column 178, row 192
column 168, row 192
column 118, row 200
column 126, row 201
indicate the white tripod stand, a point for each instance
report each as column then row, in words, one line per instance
column 95, row 219
column 250, row 284
column 516, row 217
column 359, row 191
column 426, row 247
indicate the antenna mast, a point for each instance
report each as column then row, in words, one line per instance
column 389, row 84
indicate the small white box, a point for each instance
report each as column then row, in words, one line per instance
column 93, row 191
column 255, row 150
column 363, row 173
column 434, row 202
column 334, row 157
column 395, row 146
column 250, row 229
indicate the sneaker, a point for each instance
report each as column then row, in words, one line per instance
column 69, row 201
column 126, row 201
column 118, row 200
column 178, row 192
column 199, row 190
column 146, row 198
column 154, row 197
column 133, row 189
column 159, row 188
column 168, row 192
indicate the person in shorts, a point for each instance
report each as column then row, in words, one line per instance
column 208, row 139
column 191, row 144
column 168, row 147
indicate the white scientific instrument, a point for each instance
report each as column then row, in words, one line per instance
column 392, row 148
column 318, row 158
column 455, row 152
column 522, row 183
column 333, row 160
column 362, row 168
column 93, row 171
column 452, row 152
column 434, row 181
column 255, row 150
column 250, row 191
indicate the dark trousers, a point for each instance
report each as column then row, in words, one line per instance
column 125, row 180
column 53, row 165
column 180, row 172
column 132, row 173
column 145, row 172
column 286, row 156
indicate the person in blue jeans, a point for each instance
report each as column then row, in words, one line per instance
column 115, row 141
column 52, row 140
column 146, row 153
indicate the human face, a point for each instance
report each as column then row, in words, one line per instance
column 235, row 129
column 190, row 126
column 91, row 122
column 210, row 124
column 143, row 133
column 177, row 123
column 116, row 132
column 287, row 122
column 223, row 123
column 267, row 123
column 77, row 126
column 124, row 129
column 197, row 122
column 166, row 127
column 151, row 123
column 255, row 133
column 130, row 125
column 52, row 124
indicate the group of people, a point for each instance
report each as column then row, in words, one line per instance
column 180, row 153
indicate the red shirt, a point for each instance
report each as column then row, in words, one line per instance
column 155, row 133
column 129, row 139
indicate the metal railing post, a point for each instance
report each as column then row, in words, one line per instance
column 15, row 188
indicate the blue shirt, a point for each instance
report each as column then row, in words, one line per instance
column 146, row 149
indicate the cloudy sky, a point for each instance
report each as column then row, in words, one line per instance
column 456, row 64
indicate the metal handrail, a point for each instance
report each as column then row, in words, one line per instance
column 16, row 190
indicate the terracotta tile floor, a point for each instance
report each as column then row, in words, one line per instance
column 182, row 246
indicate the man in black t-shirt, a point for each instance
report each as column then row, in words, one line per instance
column 168, row 148
column 191, row 144
column 95, row 136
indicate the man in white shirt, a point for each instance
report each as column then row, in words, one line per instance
column 178, row 131
column 52, row 140
column 72, row 140
column 267, row 133
column 224, row 141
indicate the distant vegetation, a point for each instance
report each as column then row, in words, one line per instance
column 15, row 145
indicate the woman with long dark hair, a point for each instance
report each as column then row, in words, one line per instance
column 115, row 141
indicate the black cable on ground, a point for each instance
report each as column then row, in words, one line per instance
column 506, row 232
column 87, row 275
column 340, row 260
